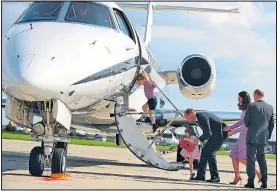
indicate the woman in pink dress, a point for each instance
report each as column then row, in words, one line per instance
column 238, row 152
column 194, row 154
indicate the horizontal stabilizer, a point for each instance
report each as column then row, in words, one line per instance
column 177, row 8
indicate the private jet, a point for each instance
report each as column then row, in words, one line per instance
column 76, row 62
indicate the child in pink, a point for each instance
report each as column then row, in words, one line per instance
column 195, row 154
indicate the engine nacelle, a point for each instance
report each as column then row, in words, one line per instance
column 196, row 76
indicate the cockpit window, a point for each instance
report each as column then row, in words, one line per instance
column 89, row 13
column 124, row 24
column 42, row 11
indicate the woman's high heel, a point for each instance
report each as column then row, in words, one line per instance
column 236, row 180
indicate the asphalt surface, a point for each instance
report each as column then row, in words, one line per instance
column 110, row 168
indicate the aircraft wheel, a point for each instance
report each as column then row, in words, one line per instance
column 36, row 161
column 58, row 164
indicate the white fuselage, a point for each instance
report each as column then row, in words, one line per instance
column 76, row 63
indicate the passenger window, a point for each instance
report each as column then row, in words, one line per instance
column 124, row 27
column 42, row 11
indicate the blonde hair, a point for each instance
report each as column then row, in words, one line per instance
column 142, row 76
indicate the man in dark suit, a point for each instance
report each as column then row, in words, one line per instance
column 259, row 120
column 213, row 133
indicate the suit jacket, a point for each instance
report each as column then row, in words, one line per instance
column 259, row 119
column 211, row 125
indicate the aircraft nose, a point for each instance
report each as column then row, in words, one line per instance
column 33, row 73
column 42, row 72
column 18, row 79
column 17, row 69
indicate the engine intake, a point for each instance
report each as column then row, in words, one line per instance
column 196, row 71
column 196, row 76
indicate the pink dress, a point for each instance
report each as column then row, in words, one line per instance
column 195, row 154
column 239, row 149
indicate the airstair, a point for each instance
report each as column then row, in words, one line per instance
column 136, row 140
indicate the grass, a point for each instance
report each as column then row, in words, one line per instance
column 15, row 136
column 89, row 142
column 74, row 141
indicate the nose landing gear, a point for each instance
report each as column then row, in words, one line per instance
column 54, row 141
column 49, row 155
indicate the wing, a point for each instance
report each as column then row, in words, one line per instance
column 169, row 76
column 229, row 117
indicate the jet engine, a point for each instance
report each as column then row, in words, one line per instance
column 196, row 76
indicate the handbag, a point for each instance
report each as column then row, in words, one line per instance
column 187, row 145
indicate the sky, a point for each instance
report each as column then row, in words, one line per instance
column 242, row 46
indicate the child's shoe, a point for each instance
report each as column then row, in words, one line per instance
column 148, row 120
column 155, row 127
column 192, row 174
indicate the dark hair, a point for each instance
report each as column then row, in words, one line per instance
column 189, row 130
column 259, row 92
column 188, row 111
column 245, row 100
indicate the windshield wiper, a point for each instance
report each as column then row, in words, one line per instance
column 54, row 10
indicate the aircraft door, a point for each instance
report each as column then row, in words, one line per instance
column 129, row 38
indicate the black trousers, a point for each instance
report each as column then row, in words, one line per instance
column 208, row 155
column 180, row 158
column 259, row 151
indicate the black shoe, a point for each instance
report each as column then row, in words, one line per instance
column 213, row 180
column 139, row 120
column 198, row 178
column 264, row 185
column 155, row 127
column 191, row 176
column 249, row 185
column 148, row 120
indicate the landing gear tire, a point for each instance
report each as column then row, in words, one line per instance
column 36, row 161
column 59, row 161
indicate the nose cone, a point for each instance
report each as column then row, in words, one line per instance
column 22, row 82
column 49, row 58
column 41, row 72
column 15, row 66
column 66, row 52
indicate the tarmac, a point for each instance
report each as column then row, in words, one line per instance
column 111, row 168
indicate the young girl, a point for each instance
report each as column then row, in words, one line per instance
column 195, row 154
